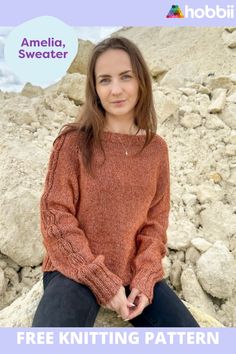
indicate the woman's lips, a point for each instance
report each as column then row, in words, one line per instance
column 119, row 103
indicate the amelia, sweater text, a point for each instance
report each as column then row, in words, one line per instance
column 42, row 52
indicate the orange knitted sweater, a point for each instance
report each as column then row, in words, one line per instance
column 110, row 230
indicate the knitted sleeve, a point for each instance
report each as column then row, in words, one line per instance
column 151, row 239
column 64, row 240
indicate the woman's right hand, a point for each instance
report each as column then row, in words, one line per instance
column 120, row 304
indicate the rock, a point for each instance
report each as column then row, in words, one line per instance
column 223, row 82
column 6, row 261
column 193, row 292
column 165, row 107
column 189, row 199
column 79, row 64
column 201, row 244
column 19, row 227
column 175, row 274
column 230, row 39
column 214, row 122
column 230, row 29
column 228, row 115
column 167, row 266
column 227, row 313
column 2, row 282
column 215, row 177
column 30, row 90
column 216, row 271
column 73, row 87
column 202, row 318
column 218, row 101
column 30, row 275
column 180, row 75
column 192, row 255
column 209, row 192
column 180, row 235
column 218, row 222
column 191, row 120
column 157, row 69
column 230, row 150
column 231, row 98
column 232, row 179
column 19, row 110
column 188, row 91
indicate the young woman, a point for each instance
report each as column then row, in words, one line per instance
column 106, row 203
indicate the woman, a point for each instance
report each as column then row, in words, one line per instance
column 106, row 202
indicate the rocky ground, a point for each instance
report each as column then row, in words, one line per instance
column 194, row 85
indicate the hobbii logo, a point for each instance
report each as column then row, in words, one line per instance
column 209, row 12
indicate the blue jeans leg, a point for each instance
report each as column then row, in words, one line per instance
column 166, row 310
column 65, row 303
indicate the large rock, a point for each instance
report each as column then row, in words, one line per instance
column 180, row 75
column 216, row 271
column 165, row 107
column 73, row 87
column 79, row 64
column 20, row 192
column 218, row 222
column 193, row 293
column 181, row 234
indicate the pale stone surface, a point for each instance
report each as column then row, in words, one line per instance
column 175, row 274
column 209, row 192
column 79, row 64
column 191, row 120
column 218, row 222
column 218, row 101
column 228, row 115
column 2, row 282
column 179, row 75
column 192, row 255
column 229, row 39
column 201, row 244
column 180, row 235
column 165, row 107
column 216, row 271
column 72, row 86
column 194, row 294
column 30, row 90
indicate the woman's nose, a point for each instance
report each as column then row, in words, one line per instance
column 116, row 88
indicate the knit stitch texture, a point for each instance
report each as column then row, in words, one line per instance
column 107, row 231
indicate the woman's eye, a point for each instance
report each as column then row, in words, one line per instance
column 104, row 80
column 107, row 80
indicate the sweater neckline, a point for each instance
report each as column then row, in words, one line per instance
column 115, row 137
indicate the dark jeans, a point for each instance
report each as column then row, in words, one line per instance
column 66, row 303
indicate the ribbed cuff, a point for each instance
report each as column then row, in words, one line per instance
column 103, row 283
column 145, row 281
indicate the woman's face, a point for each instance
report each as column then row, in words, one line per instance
column 116, row 85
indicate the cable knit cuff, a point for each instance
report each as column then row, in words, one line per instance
column 103, row 283
column 145, row 281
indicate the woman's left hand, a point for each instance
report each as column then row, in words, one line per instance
column 140, row 300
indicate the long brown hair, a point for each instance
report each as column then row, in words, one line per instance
column 91, row 119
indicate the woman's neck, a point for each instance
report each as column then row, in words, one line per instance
column 131, row 129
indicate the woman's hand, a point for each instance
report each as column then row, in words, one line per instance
column 130, row 307
column 140, row 300
column 119, row 303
